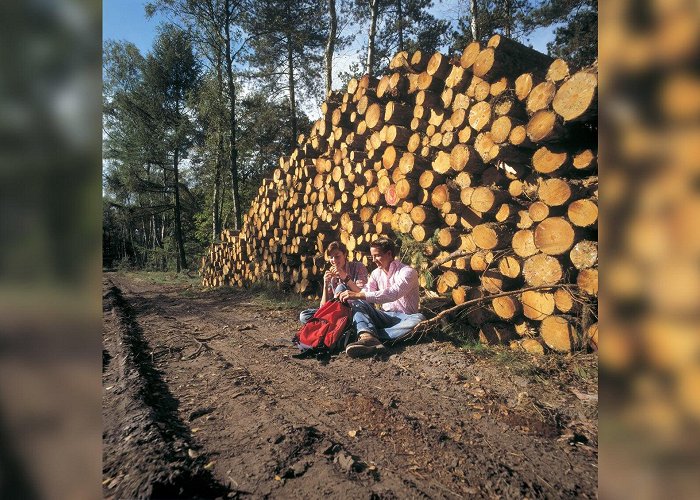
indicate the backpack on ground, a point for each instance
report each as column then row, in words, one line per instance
column 328, row 331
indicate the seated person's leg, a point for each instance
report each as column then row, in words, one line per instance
column 306, row 315
column 367, row 318
column 403, row 324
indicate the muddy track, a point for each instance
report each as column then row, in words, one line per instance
column 214, row 374
column 151, row 459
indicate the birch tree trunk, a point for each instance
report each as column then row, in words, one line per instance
column 374, row 12
column 292, row 98
column 330, row 45
column 474, row 26
column 399, row 16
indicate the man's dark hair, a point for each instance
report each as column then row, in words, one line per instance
column 335, row 245
column 384, row 245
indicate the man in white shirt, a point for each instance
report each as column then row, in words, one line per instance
column 395, row 286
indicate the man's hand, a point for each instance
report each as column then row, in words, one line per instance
column 349, row 295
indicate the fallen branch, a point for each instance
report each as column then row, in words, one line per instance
column 427, row 324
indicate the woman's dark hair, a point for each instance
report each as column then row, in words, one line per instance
column 336, row 245
column 384, row 245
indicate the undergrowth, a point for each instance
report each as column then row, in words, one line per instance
column 412, row 252
column 165, row 277
column 268, row 294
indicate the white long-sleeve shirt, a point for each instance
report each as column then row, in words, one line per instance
column 397, row 290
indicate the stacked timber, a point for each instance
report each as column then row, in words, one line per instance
column 488, row 161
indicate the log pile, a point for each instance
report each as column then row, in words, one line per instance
column 487, row 160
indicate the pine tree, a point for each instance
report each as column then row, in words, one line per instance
column 576, row 40
column 215, row 28
column 396, row 25
column 149, row 133
column 485, row 18
column 287, row 49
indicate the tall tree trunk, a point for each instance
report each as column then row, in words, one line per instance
column 374, row 11
column 216, row 223
column 473, row 23
column 292, row 98
column 164, row 258
column 216, row 220
column 330, row 45
column 181, row 262
column 237, row 215
column 156, row 237
column 399, row 15
column 509, row 18
column 144, row 240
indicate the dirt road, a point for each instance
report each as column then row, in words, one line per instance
column 203, row 399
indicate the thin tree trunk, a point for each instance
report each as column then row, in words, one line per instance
column 330, row 45
column 144, row 240
column 181, row 262
column 216, row 223
column 474, row 25
column 292, row 98
column 164, row 258
column 237, row 215
column 157, row 242
column 374, row 11
column 399, row 15
column 509, row 18
column 216, row 220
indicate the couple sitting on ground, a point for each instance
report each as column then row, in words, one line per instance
column 393, row 284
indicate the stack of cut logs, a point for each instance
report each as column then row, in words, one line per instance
column 489, row 160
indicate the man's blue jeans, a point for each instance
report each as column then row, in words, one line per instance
column 385, row 325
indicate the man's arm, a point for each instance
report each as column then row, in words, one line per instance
column 371, row 285
column 405, row 281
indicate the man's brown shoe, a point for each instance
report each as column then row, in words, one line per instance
column 367, row 345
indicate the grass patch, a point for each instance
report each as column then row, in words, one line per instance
column 165, row 278
column 268, row 294
column 463, row 335
column 509, row 357
column 473, row 345
column 586, row 372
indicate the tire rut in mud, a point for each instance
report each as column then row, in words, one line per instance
column 146, row 444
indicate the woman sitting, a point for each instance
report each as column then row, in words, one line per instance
column 341, row 276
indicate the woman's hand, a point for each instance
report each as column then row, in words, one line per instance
column 328, row 276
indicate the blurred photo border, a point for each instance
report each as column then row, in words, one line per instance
column 50, row 249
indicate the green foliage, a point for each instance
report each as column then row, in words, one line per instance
column 401, row 25
column 473, row 345
column 286, row 51
column 505, row 17
column 261, row 144
column 576, row 34
column 420, row 30
column 462, row 334
column 148, row 133
column 413, row 252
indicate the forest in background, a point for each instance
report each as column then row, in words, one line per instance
column 191, row 127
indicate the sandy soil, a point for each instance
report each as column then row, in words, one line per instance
column 203, row 399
